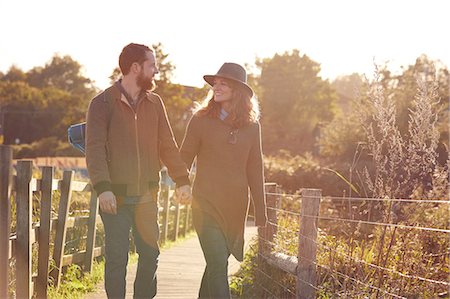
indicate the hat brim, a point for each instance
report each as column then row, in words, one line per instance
column 210, row 80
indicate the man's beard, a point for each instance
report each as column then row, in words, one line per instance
column 145, row 83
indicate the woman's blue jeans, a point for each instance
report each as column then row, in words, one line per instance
column 142, row 219
column 214, row 283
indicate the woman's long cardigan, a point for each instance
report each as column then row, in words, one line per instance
column 224, row 174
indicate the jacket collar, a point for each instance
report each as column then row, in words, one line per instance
column 115, row 93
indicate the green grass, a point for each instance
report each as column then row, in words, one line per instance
column 74, row 284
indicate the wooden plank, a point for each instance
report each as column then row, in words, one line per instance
column 307, row 244
column 34, row 235
column 61, row 229
column 285, row 262
column 80, row 186
column 44, row 231
column 55, row 184
column 72, row 222
column 79, row 257
column 75, row 221
column 36, row 185
column 33, row 184
column 92, row 228
column 23, row 243
column 10, row 249
column 186, row 220
column 5, row 216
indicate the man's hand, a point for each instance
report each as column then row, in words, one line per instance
column 183, row 195
column 108, row 203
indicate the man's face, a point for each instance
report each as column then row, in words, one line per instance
column 148, row 70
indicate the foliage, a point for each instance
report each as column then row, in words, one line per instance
column 75, row 284
column 45, row 147
column 343, row 136
column 402, row 162
column 177, row 98
column 347, row 90
column 44, row 101
column 352, row 263
column 340, row 137
column 402, row 88
column 394, row 257
column 294, row 101
column 242, row 284
column 302, row 171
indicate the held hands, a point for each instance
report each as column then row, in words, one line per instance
column 183, row 195
column 108, row 203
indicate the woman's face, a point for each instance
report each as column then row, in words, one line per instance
column 222, row 90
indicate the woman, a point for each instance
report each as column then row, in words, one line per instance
column 224, row 137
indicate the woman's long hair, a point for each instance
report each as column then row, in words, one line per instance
column 244, row 108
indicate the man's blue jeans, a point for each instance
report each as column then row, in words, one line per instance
column 215, row 250
column 142, row 219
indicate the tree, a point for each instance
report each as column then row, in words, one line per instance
column 347, row 89
column 19, row 103
column 294, row 101
column 44, row 101
column 339, row 138
column 14, row 74
column 63, row 73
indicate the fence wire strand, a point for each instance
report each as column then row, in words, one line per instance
column 354, row 259
column 332, row 271
column 430, row 229
column 438, row 201
column 288, row 214
column 376, row 266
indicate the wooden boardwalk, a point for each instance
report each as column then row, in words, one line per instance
column 180, row 270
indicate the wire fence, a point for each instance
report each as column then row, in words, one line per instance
column 364, row 247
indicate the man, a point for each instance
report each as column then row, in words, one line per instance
column 127, row 135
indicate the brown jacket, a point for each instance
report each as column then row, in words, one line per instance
column 124, row 149
column 224, row 174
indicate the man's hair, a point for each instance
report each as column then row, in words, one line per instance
column 132, row 53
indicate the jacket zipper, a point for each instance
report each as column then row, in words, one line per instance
column 137, row 152
column 137, row 146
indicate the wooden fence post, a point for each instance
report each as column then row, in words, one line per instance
column 186, row 220
column 177, row 221
column 307, row 244
column 61, row 228
column 91, row 232
column 166, row 213
column 5, row 216
column 23, row 228
column 44, row 231
column 266, row 234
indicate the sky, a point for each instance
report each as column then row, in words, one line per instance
column 343, row 36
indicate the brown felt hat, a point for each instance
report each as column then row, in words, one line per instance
column 231, row 71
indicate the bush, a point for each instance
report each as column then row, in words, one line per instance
column 295, row 172
column 46, row 147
